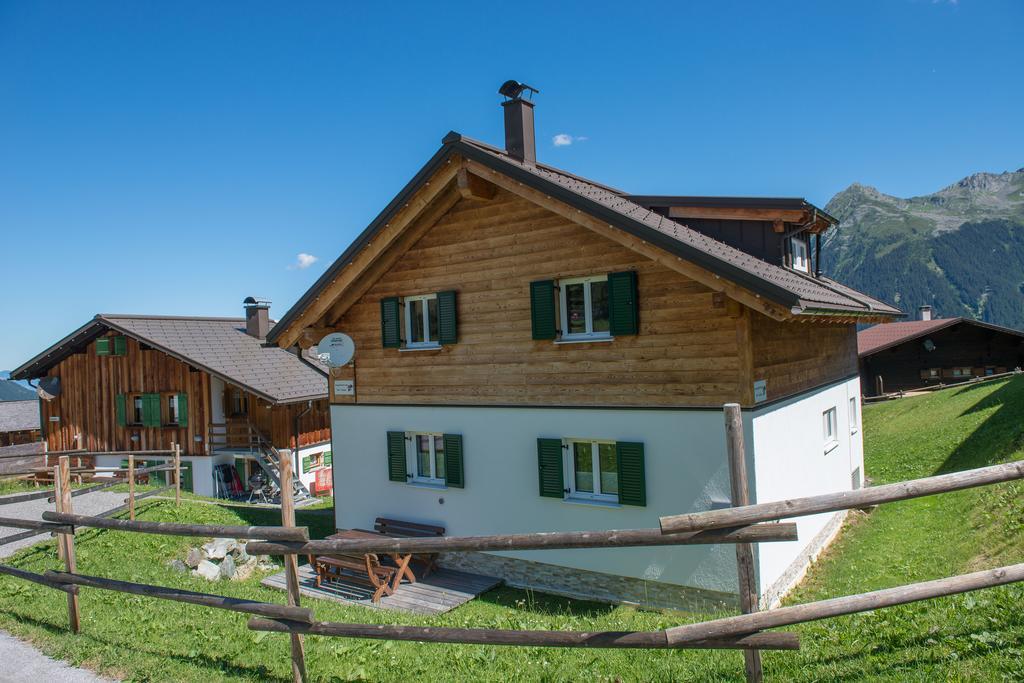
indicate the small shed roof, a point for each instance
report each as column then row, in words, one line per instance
column 19, row 416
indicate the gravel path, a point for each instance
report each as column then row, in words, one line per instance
column 89, row 504
column 20, row 661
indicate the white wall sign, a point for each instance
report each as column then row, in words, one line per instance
column 760, row 391
column 336, row 349
column 344, row 387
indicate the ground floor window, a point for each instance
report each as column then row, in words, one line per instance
column 592, row 470
column 828, row 428
column 429, row 458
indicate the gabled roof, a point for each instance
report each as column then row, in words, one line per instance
column 882, row 337
column 19, row 416
column 799, row 293
column 219, row 346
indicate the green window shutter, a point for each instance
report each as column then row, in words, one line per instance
column 549, row 463
column 307, row 464
column 542, row 309
column 455, row 474
column 622, row 303
column 390, row 328
column 186, row 477
column 183, row 410
column 328, row 459
column 151, row 410
column 397, row 469
column 240, row 469
column 119, row 407
column 447, row 324
column 120, row 346
column 103, row 346
column 632, row 484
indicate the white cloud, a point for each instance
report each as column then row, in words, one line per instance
column 564, row 139
column 303, row 261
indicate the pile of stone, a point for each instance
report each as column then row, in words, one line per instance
column 222, row 558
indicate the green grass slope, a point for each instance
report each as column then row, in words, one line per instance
column 976, row 637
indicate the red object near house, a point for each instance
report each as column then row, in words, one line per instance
column 323, row 480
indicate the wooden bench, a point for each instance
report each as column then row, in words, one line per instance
column 402, row 529
column 362, row 568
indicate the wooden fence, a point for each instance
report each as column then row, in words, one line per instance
column 740, row 525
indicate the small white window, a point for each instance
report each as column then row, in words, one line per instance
column 172, row 409
column 592, row 470
column 798, row 250
column 854, row 423
column 828, row 428
column 583, row 305
column 421, row 321
column 426, row 458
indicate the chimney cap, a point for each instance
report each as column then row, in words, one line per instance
column 256, row 301
column 513, row 90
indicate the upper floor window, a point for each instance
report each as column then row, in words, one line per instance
column 152, row 410
column 798, row 254
column 583, row 305
column 172, row 409
column 421, row 321
column 238, row 402
column 138, row 409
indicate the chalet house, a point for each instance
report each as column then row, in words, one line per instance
column 928, row 352
column 19, row 422
column 535, row 351
column 125, row 383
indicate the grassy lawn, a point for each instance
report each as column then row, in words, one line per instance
column 973, row 637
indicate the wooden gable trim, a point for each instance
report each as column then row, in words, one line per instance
column 420, row 201
column 678, row 264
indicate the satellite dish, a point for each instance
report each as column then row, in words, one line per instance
column 336, row 349
column 928, row 345
column 49, row 388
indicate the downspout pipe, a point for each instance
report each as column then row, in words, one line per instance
column 298, row 419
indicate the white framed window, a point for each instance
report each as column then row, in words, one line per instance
column 583, row 307
column 421, row 321
column 172, row 409
column 854, row 417
column 591, row 470
column 138, row 410
column 962, row 372
column 829, row 431
column 426, row 457
column 798, row 253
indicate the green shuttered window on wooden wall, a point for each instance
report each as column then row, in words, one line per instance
column 542, row 309
column 397, row 470
column 390, row 325
column 447, row 320
column 151, row 410
column 632, row 475
column 183, row 410
column 454, row 469
column 103, row 346
column 120, row 347
column 622, row 304
column 549, row 465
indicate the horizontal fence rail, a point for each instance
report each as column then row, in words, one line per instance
column 37, row 578
column 835, row 607
column 844, row 500
column 264, row 609
column 558, row 540
column 487, row 636
column 18, row 523
column 270, row 533
column 154, row 492
column 25, row 497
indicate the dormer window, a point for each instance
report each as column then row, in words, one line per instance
column 798, row 254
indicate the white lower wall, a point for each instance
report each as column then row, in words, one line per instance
column 685, row 463
column 789, row 461
column 202, row 468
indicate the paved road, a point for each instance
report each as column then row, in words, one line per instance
column 89, row 504
column 20, row 661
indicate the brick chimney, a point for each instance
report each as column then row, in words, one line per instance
column 520, row 142
column 257, row 317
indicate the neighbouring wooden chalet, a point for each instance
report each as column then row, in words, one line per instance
column 123, row 383
column 927, row 352
column 19, row 422
column 535, row 351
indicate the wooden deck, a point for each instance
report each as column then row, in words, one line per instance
column 443, row 590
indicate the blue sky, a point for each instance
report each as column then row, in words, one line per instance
column 176, row 157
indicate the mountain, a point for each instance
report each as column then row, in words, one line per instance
column 961, row 249
column 15, row 391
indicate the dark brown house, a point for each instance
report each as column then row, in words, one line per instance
column 124, row 383
column 927, row 352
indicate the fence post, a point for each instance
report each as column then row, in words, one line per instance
column 177, row 475
column 131, row 487
column 291, row 565
column 749, row 598
column 66, row 541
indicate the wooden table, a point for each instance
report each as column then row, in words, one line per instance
column 400, row 559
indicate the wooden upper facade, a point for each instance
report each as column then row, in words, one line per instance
column 481, row 241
